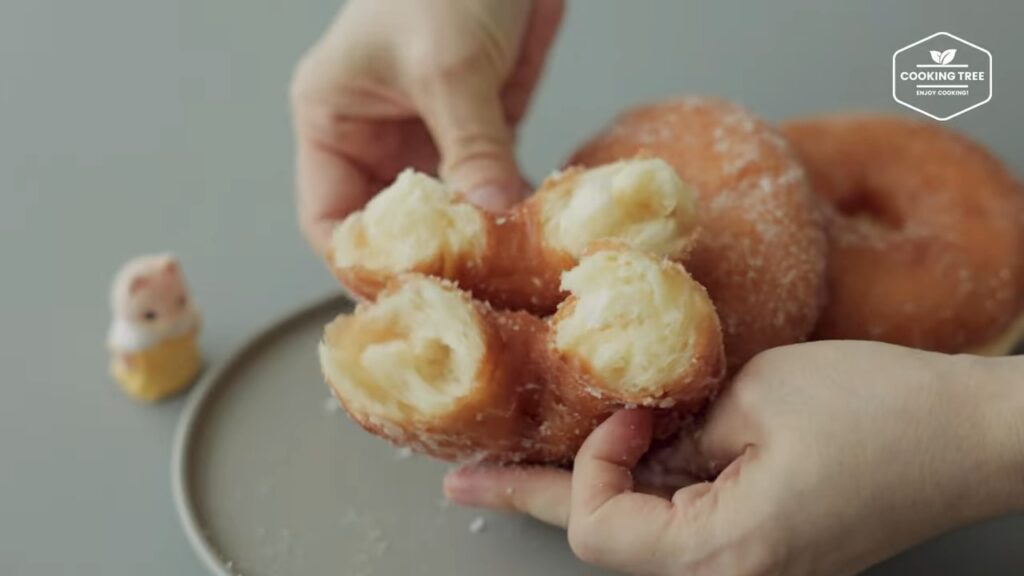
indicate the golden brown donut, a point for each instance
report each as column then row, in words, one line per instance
column 926, row 243
column 761, row 251
column 1012, row 338
column 426, row 366
column 513, row 261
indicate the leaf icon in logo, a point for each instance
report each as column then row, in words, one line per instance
column 936, row 56
column 947, row 56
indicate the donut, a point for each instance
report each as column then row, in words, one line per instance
column 427, row 366
column 513, row 261
column 926, row 243
column 761, row 250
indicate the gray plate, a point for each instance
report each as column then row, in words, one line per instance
column 269, row 480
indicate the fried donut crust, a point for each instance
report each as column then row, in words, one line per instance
column 514, row 261
column 518, row 388
column 926, row 247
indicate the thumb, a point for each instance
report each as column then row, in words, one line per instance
column 465, row 116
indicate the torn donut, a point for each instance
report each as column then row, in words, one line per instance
column 427, row 366
column 925, row 237
column 514, row 261
column 761, row 250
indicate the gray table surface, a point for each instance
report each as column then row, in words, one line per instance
column 128, row 126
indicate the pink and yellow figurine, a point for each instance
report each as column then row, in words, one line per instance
column 154, row 333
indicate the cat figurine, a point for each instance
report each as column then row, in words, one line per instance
column 154, row 333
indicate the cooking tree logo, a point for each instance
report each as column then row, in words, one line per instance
column 942, row 76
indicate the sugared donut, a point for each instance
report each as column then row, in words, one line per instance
column 924, row 231
column 427, row 366
column 514, row 260
column 761, row 251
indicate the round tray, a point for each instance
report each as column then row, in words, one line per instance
column 271, row 477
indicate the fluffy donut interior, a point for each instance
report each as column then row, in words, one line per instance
column 413, row 353
column 636, row 320
column 641, row 202
column 414, row 222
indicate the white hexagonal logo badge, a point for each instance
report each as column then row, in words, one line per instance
column 942, row 76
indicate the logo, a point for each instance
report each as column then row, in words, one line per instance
column 942, row 76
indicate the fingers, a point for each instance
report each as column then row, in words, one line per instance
column 541, row 29
column 730, row 427
column 676, row 464
column 329, row 188
column 539, row 492
column 605, row 461
column 467, row 120
column 610, row 524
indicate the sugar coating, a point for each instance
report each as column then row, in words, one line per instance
column 477, row 525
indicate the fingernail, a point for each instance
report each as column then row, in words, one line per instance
column 492, row 198
column 460, row 488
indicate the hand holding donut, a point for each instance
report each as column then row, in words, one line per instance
column 451, row 353
column 407, row 83
column 509, row 338
column 833, row 456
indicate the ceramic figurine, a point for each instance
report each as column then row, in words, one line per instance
column 154, row 333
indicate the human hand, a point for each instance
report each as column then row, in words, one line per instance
column 834, row 456
column 411, row 83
